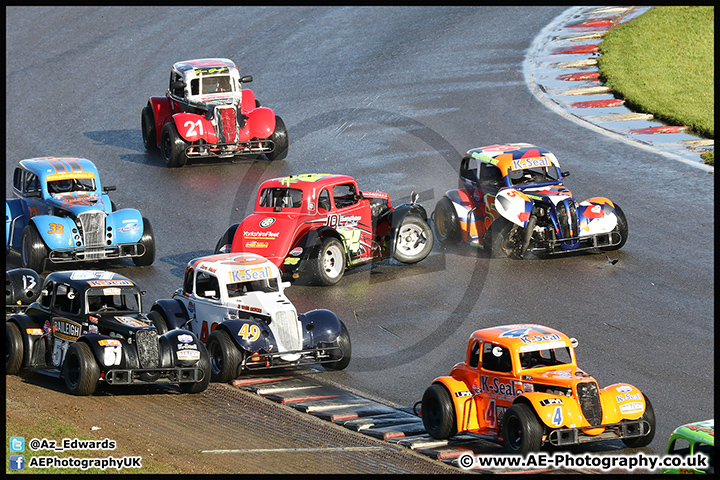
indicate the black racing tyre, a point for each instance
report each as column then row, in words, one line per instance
column 148, row 241
column 158, row 319
column 438, row 412
column 172, row 146
column 648, row 416
column 204, row 365
column 149, row 135
column 414, row 240
column 345, row 353
column 521, row 430
column 621, row 228
column 328, row 266
column 34, row 252
column 280, row 138
column 502, row 239
column 14, row 349
column 80, row 370
column 447, row 224
column 225, row 357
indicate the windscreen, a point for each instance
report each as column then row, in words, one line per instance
column 113, row 299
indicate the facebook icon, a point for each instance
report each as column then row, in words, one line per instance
column 17, row 462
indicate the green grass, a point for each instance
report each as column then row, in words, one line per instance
column 663, row 63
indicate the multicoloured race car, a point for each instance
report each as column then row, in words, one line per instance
column 62, row 213
column 206, row 113
column 236, row 304
column 314, row 226
column 87, row 327
column 511, row 200
column 520, row 386
column 693, row 439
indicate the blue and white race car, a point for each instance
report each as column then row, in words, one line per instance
column 62, row 213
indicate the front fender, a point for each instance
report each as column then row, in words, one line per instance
column 127, row 225
column 319, row 326
column 249, row 335
column 180, row 348
column 396, row 217
column 260, row 123
column 621, row 401
column 555, row 411
column 55, row 231
column 15, row 221
column 111, row 352
column 193, row 127
column 174, row 311
column 596, row 215
column 224, row 245
column 514, row 205
column 247, row 103
column 304, row 250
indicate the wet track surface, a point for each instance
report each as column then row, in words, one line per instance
column 392, row 96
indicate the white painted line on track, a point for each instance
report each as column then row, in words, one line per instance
column 298, row 450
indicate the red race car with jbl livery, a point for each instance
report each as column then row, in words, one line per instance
column 206, row 113
column 314, row 226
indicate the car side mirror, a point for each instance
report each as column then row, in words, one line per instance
column 109, row 188
column 34, row 193
column 414, row 197
column 285, row 284
column 565, row 174
column 246, row 79
column 177, row 84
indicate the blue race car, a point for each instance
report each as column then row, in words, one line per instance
column 63, row 214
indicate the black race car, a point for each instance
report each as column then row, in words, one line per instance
column 86, row 327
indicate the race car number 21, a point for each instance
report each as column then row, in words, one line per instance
column 191, row 126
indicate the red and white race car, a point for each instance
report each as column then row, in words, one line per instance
column 314, row 226
column 206, row 113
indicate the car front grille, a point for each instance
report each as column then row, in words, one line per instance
column 286, row 330
column 590, row 402
column 92, row 229
column 567, row 216
column 228, row 131
column 148, row 349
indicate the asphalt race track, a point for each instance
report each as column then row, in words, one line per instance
column 392, row 96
